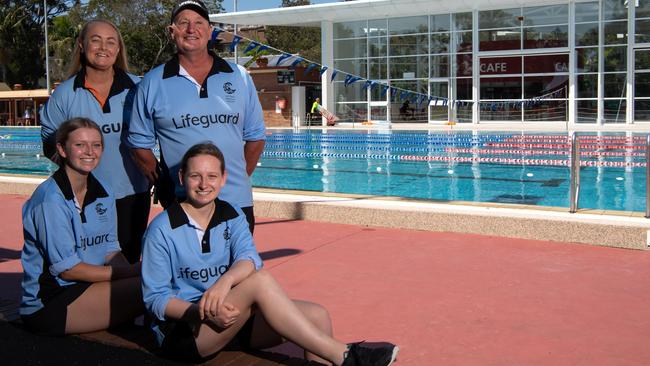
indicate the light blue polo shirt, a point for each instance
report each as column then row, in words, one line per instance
column 58, row 237
column 175, row 263
column 71, row 99
column 224, row 110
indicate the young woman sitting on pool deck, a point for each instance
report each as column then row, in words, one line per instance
column 76, row 280
column 203, row 282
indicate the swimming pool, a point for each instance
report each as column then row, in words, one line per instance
column 498, row 167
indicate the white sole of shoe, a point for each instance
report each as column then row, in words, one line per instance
column 394, row 356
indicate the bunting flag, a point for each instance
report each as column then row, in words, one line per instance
column 309, row 68
column 235, row 42
column 215, row 34
column 251, row 46
column 351, row 79
column 395, row 93
column 334, row 72
column 297, row 61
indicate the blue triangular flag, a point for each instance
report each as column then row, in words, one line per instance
column 215, row 34
column 251, row 46
column 323, row 69
column 384, row 89
column 351, row 79
column 235, row 42
column 309, row 68
column 282, row 58
column 334, row 72
column 296, row 62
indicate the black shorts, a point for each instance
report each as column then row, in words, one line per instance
column 132, row 219
column 250, row 217
column 179, row 343
column 50, row 320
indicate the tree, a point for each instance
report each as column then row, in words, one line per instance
column 22, row 55
column 304, row 41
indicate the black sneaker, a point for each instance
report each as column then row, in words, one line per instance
column 364, row 356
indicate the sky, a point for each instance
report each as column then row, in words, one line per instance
column 261, row 4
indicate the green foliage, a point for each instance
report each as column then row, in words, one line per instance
column 22, row 57
column 304, row 41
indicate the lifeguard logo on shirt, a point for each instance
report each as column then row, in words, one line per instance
column 91, row 241
column 189, row 120
column 227, row 87
column 202, row 274
column 100, row 209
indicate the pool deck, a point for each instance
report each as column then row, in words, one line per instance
column 446, row 298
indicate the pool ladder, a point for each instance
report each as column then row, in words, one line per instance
column 575, row 174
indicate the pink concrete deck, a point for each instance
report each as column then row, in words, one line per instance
column 447, row 299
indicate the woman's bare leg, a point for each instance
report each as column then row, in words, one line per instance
column 105, row 304
column 281, row 313
column 264, row 336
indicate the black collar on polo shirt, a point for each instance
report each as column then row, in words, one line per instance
column 94, row 189
column 173, row 67
column 222, row 213
column 121, row 81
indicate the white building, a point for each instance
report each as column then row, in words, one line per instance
column 568, row 62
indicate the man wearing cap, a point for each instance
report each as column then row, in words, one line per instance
column 197, row 97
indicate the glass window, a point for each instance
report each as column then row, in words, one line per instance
column 377, row 27
column 499, row 18
column 587, row 59
column 542, row 15
column 500, row 39
column 643, row 10
column 615, row 33
column 642, row 60
column 587, row 12
column 462, row 21
column 408, row 67
column 408, row 25
column 587, row 111
column 587, row 86
column 376, row 94
column 464, row 64
column 464, row 89
column 378, row 113
column 615, row 9
column 440, row 23
column 440, row 43
column 409, row 45
column 546, row 37
column 439, row 66
column 500, row 65
column 615, row 58
column 614, row 111
column 500, row 88
column 463, row 41
column 416, row 86
column 642, row 85
column 355, row 67
column 642, row 31
column 490, row 111
column 350, row 48
column 352, row 112
column 537, row 86
column 587, row 34
column 615, row 85
column 378, row 68
column 546, row 64
column 378, row 46
column 546, row 110
column 350, row 93
column 642, row 110
column 350, row 29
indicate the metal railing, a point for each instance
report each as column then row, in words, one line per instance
column 574, row 173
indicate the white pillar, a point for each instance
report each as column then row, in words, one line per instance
column 327, row 59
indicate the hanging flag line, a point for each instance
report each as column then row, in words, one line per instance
column 397, row 94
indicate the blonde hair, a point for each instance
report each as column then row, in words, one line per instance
column 79, row 59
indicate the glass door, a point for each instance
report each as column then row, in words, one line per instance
column 439, row 106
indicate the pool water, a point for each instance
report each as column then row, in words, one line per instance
column 497, row 167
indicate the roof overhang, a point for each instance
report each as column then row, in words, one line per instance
column 24, row 94
column 313, row 15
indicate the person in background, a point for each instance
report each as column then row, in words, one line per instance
column 197, row 96
column 100, row 88
column 76, row 280
column 203, row 284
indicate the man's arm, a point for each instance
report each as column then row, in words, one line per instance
column 252, row 152
column 147, row 163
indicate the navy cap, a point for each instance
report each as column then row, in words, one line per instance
column 195, row 5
